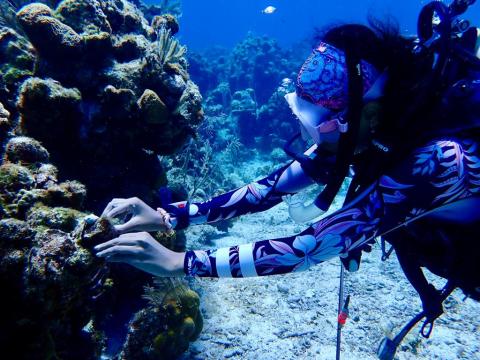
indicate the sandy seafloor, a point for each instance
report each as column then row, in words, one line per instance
column 293, row 316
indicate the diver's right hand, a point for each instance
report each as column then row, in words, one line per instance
column 144, row 252
column 143, row 217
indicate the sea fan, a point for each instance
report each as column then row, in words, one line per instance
column 233, row 148
column 167, row 48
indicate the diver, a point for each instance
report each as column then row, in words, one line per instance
column 403, row 116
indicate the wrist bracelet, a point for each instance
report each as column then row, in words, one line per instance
column 167, row 221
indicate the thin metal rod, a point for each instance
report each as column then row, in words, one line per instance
column 340, row 306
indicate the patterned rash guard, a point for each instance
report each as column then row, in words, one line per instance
column 434, row 177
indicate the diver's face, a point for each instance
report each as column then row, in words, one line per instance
column 316, row 123
column 326, row 132
column 329, row 136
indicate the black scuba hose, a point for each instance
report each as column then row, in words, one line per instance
column 348, row 139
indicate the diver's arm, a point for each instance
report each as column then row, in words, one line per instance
column 348, row 229
column 258, row 196
column 255, row 197
column 435, row 175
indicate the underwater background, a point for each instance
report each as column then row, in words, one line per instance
column 120, row 98
column 225, row 23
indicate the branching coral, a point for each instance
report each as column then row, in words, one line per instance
column 204, row 170
column 167, row 49
column 191, row 169
column 233, row 148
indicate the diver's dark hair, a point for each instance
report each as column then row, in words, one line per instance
column 359, row 40
column 409, row 97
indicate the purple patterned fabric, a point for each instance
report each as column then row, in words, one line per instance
column 323, row 78
column 255, row 197
column 435, row 175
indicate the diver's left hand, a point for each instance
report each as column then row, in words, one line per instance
column 143, row 217
column 142, row 251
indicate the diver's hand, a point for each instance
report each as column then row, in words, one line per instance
column 144, row 252
column 143, row 217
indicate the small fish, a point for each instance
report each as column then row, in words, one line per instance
column 269, row 10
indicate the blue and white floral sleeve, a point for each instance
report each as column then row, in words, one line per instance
column 255, row 197
column 435, row 175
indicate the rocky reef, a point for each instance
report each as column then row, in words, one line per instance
column 247, row 85
column 257, row 62
column 90, row 94
column 103, row 89
column 44, row 271
column 58, row 297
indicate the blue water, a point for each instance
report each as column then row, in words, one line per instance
column 108, row 111
column 226, row 22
